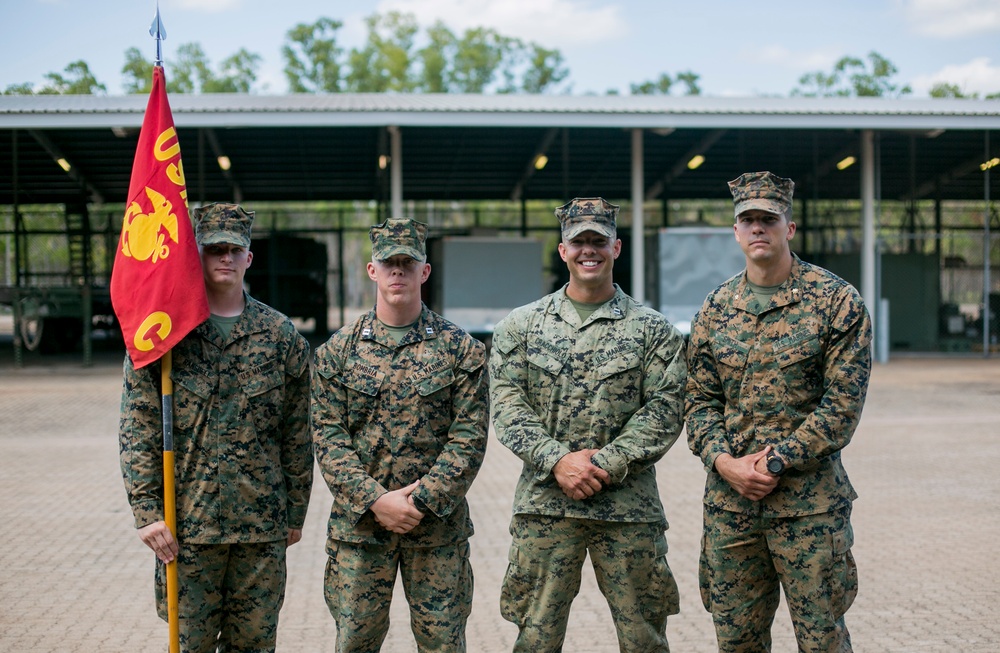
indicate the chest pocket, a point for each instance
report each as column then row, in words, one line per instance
column 618, row 380
column 436, row 405
column 436, row 381
column 729, row 352
column 801, row 371
column 543, row 372
column 623, row 362
column 259, row 384
column 544, row 361
column 364, row 384
column 199, row 386
column 798, row 352
column 264, row 401
column 363, row 395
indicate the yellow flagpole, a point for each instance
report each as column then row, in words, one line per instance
column 169, row 505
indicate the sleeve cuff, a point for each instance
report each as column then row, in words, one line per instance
column 548, row 457
column 711, row 455
column 614, row 463
column 296, row 517
column 147, row 513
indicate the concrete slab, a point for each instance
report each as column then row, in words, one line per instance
column 74, row 577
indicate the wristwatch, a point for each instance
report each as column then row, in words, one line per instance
column 775, row 464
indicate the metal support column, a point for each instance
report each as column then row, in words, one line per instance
column 395, row 172
column 986, row 247
column 638, row 241
column 868, row 244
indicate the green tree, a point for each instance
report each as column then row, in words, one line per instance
column 312, row 58
column 435, row 59
column 237, row 74
column 191, row 72
column 384, row 63
column 479, row 54
column 665, row 83
column 660, row 86
column 137, row 73
column 690, row 81
column 853, row 77
column 545, row 69
column 78, row 81
column 946, row 90
column 480, row 60
column 484, row 60
column 25, row 88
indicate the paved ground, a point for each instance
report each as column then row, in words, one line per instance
column 74, row 577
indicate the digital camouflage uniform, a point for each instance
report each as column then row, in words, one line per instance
column 792, row 375
column 243, row 466
column 384, row 415
column 614, row 383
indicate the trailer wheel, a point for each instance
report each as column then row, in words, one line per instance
column 31, row 327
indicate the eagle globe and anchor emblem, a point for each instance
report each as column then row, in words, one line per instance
column 144, row 238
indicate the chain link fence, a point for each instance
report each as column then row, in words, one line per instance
column 310, row 259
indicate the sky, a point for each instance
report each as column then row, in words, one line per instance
column 737, row 48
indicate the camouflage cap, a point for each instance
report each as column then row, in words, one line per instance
column 398, row 236
column 587, row 214
column 764, row 191
column 222, row 223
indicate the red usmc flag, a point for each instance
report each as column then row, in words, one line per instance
column 157, row 288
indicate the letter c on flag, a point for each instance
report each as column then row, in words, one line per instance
column 153, row 330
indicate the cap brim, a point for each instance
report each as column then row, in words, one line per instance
column 771, row 206
column 389, row 252
column 577, row 229
column 224, row 238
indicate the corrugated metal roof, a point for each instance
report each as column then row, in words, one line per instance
column 326, row 147
column 361, row 109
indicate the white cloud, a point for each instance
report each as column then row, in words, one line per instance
column 778, row 56
column 977, row 76
column 205, row 6
column 951, row 18
column 550, row 23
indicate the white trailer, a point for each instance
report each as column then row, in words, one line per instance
column 476, row 281
column 693, row 262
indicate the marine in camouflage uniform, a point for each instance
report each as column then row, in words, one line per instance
column 586, row 386
column 399, row 412
column 779, row 361
column 243, row 455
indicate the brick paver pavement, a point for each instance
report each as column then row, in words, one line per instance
column 74, row 577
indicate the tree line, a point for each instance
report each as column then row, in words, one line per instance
column 478, row 60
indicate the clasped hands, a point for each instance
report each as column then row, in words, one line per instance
column 395, row 510
column 748, row 474
column 578, row 477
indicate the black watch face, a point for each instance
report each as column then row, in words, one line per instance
column 775, row 466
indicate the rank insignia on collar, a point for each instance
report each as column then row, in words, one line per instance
column 616, row 310
column 429, row 330
column 795, row 294
column 366, row 333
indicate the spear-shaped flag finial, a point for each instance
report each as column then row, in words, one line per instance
column 158, row 32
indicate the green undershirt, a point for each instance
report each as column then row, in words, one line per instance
column 585, row 310
column 397, row 332
column 762, row 293
column 223, row 324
